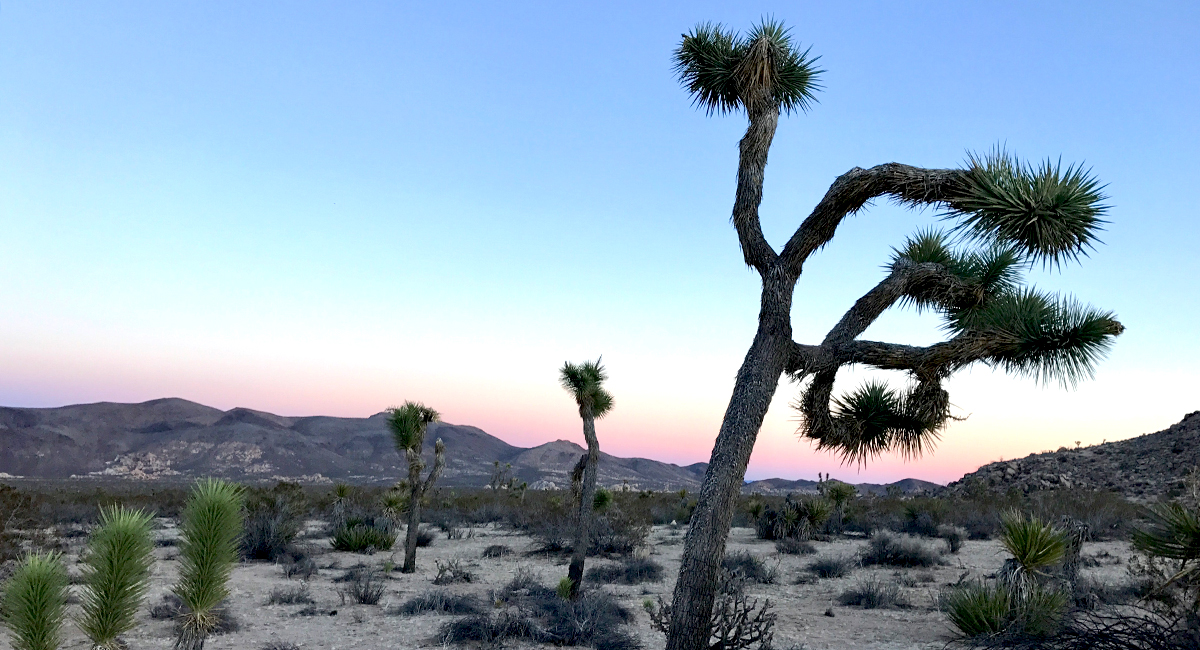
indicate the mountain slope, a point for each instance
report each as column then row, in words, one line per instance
column 1145, row 467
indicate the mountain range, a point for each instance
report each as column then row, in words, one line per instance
column 175, row 439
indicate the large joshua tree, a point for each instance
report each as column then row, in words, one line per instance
column 585, row 382
column 1003, row 215
column 408, row 424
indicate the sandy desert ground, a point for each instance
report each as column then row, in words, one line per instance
column 801, row 608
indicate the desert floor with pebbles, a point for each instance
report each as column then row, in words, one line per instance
column 801, row 601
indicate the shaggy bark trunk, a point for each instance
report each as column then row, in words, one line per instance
column 415, row 493
column 704, row 546
column 587, row 493
column 757, row 379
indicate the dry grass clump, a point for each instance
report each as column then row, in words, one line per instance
column 298, row 595
column 451, row 572
column 793, row 546
column 832, row 566
column 746, row 566
column 873, row 593
column 441, row 601
column 497, row 550
column 629, row 572
column 364, row 587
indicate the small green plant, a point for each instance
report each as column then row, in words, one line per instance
column 361, row 538
column 565, row 588
column 601, row 499
column 35, row 602
column 978, row 610
column 116, row 575
column 211, row 526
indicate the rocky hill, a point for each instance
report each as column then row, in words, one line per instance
column 1142, row 468
column 174, row 439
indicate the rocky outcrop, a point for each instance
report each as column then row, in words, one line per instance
column 1142, row 468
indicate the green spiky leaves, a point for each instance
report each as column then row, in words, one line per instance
column 1049, row 213
column 1174, row 532
column 211, row 527
column 725, row 72
column 116, row 575
column 35, row 602
column 874, row 419
column 408, row 424
column 585, row 382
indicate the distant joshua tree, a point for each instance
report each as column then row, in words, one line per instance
column 1006, row 215
column 408, row 424
column 585, row 382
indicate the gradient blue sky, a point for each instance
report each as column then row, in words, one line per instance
column 333, row 207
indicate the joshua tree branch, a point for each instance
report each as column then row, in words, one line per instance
column 752, row 164
column 852, row 190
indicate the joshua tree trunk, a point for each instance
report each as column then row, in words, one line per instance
column 757, row 379
column 587, row 493
column 417, row 493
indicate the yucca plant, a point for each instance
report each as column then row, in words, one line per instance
column 208, row 550
column 35, row 602
column 116, row 575
column 1035, row 546
column 978, row 609
column 1173, row 533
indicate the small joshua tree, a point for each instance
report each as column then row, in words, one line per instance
column 35, row 602
column 408, row 424
column 116, row 575
column 585, row 382
column 208, row 551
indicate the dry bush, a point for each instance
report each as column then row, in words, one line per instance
column 873, row 593
column 497, row 550
column 832, row 566
column 630, row 572
column 298, row 595
column 441, row 601
column 793, row 546
column 451, row 572
column 750, row 567
column 896, row 550
column 365, row 588
column 737, row 622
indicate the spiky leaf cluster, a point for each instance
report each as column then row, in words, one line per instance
column 874, row 419
column 725, row 72
column 1173, row 532
column 1049, row 212
column 208, row 551
column 116, row 575
column 408, row 424
column 35, row 602
column 585, row 382
column 1034, row 544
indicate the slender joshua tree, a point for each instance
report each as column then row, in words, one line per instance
column 585, row 382
column 408, row 424
column 1004, row 214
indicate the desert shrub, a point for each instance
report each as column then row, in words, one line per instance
column 537, row 614
column 873, row 593
column 272, row 523
column 793, row 546
column 954, row 536
column 366, row 587
column 895, row 550
column 441, row 601
column 296, row 563
column 923, row 515
column 750, row 567
column 1107, row 514
column 617, row 532
column 298, row 595
column 832, row 566
column 424, row 537
column 1130, row 629
column 451, row 572
column 362, row 538
column 116, row 574
column 35, row 602
column 978, row 610
column 171, row 608
column 629, row 572
column 798, row 517
column 737, row 622
column 497, row 550
column 279, row 645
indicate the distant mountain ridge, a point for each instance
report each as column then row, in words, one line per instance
column 175, row 439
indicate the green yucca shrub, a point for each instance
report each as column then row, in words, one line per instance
column 208, row 550
column 361, row 538
column 979, row 610
column 116, row 575
column 35, row 601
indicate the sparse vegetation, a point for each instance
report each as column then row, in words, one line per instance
column 441, row 601
column 793, row 546
column 873, row 593
column 898, row 550
column 832, row 566
column 365, row 587
column 629, row 572
column 297, row 595
column 452, row 571
column 746, row 566
column 497, row 550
